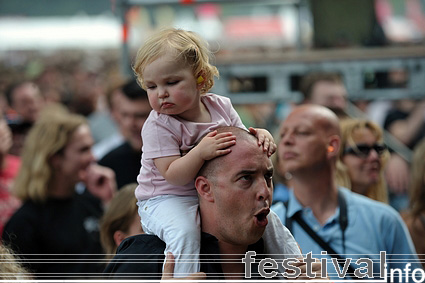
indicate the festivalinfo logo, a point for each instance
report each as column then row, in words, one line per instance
column 267, row 267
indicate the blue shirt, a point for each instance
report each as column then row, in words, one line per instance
column 372, row 227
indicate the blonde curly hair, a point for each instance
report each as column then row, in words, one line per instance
column 10, row 267
column 189, row 48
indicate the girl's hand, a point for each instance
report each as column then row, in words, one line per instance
column 265, row 139
column 213, row 145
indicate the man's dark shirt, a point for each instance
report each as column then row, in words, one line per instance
column 125, row 162
column 142, row 257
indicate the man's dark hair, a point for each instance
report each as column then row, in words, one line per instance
column 133, row 91
column 309, row 80
column 11, row 89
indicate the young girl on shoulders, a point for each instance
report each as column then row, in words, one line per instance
column 174, row 67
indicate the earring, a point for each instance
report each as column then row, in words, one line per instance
column 200, row 79
column 331, row 148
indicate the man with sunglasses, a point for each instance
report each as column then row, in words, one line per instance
column 334, row 222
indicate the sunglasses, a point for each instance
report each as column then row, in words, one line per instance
column 363, row 150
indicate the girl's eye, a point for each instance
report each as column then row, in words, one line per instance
column 302, row 133
column 173, row 82
column 150, row 87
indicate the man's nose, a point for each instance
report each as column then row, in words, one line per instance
column 92, row 157
column 264, row 191
column 287, row 139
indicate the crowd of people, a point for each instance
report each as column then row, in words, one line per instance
column 157, row 165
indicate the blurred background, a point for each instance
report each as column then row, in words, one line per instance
column 262, row 48
column 79, row 53
column 38, row 35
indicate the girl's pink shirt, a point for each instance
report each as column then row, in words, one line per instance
column 165, row 135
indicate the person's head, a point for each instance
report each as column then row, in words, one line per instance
column 326, row 89
column 174, row 64
column 58, row 145
column 363, row 156
column 132, row 112
column 114, row 94
column 309, row 140
column 417, row 182
column 25, row 98
column 235, row 191
column 120, row 220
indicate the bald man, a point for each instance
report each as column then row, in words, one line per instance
column 235, row 193
column 352, row 225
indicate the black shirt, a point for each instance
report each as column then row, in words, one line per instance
column 57, row 238
column 125, row 162
column 142, row 257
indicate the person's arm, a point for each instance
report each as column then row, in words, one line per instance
column 181, row 170
column 100, row 182
column 397, row 174
column 264, row 138
column 407, row 129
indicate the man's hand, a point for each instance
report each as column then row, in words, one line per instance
column 100, row 181
column 265, row 139
column 169, row 271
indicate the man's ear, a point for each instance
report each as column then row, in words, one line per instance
column 333, row 146
column 203, row 186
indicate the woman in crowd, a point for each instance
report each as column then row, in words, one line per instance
column 362, row 159
column 55, row 224
column 415, row 217
column 120, row 220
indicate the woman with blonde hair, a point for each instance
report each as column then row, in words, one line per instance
column 362, row 159
column 121, row 220
column 415, row 217
column 54, row 219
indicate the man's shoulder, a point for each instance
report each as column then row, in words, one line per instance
column 140, row 255
column 140, row 244
column 114, row 153
column 369, row 206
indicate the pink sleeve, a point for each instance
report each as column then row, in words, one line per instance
column 159, row 139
